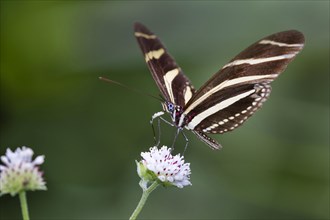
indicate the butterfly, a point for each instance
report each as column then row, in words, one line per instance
column 231, row 95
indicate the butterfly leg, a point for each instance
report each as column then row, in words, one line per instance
column 159, row 117
column 175, row 137
column 157, row 140
column 156, row 115
column 187, row 142
column 159, row 130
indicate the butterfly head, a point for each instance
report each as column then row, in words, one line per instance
column 174, row 110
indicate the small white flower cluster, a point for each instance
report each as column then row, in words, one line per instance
column 159, row 164
column 19, row 172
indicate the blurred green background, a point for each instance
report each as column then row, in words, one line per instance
column 52, row 53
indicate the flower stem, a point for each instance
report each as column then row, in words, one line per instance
column 24, row 206
column 145, row 194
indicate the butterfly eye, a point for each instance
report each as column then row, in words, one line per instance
column 170, row 107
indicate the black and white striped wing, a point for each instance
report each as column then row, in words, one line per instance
column 236, row 91
column 173, row 84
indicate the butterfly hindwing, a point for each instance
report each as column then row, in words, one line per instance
column 173, row 84
column 213, row 144
column 231, row 117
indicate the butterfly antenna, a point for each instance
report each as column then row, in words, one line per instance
column 129, row 88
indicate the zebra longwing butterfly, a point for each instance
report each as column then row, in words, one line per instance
column 231, row 95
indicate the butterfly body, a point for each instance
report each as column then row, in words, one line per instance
column 231, row 95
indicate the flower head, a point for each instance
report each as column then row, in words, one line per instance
column 160, row 165
column 20, row 172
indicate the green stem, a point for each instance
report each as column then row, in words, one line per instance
column 143, row 200
column 24, row 206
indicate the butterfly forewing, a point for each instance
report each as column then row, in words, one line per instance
column 263, row 61
column 235, row 92
column 173, row 84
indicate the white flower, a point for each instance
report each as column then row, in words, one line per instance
column 19, row 172
column 159, row 164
